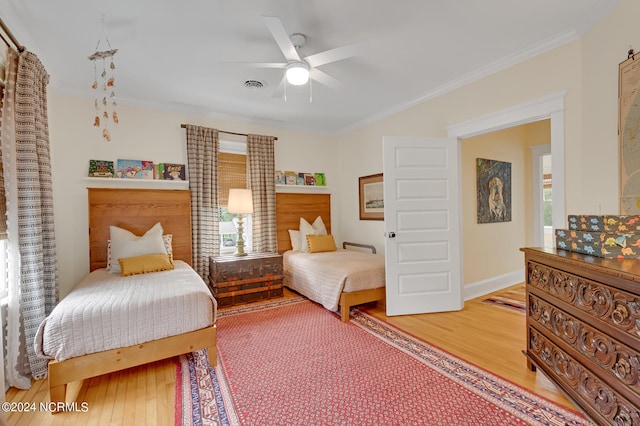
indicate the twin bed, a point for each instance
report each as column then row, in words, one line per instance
column 340, row 278
column 118, row 322
column 111, row 322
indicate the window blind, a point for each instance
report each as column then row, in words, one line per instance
column 232, row 173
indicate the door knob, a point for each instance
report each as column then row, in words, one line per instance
column 391, row 235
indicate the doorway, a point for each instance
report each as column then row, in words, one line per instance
column 542, row 191
column 547, row 201
column 549, row 107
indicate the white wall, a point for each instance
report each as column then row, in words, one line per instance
column 142, row 133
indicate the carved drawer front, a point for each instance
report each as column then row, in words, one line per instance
column 610, row 305
column 611, row 358
column 601, row 401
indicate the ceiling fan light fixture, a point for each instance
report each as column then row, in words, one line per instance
column 297, row 73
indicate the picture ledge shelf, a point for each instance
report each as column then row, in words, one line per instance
column 98, row 182
column 302, row 188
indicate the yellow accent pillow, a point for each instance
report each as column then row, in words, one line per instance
column 145, row 264
column 320, row 243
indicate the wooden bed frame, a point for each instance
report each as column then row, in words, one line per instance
column 136, row 210
column 290, row 207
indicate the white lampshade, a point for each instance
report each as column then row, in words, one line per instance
column 240, row 201
column 297, row 73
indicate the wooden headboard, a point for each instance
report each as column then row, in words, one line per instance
column 290, row 207
column 137, row 210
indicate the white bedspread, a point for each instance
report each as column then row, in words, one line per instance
column 107, row 311
column 323, row 276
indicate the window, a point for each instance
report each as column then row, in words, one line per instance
column 232, row 173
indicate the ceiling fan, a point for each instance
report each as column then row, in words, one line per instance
column 298, row 69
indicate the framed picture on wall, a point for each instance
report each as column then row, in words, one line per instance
column 494, row 190
column 371, row 197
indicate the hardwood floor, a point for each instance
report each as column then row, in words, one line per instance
column 488, row 336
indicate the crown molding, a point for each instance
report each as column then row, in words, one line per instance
column 492, row 68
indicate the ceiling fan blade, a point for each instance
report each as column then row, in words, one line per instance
column 336, row 54
column 282, row 38
column 258, row 64
column 325, row 79
column 278, row 92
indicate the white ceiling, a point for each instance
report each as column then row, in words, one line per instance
column 171, row 53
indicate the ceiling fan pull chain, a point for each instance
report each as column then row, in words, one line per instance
column 310, row 91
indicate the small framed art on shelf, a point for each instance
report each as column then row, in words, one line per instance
column 101, row 168
column 129, row 169
column 299, row 178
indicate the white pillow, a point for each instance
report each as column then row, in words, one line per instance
column 295, row 239
column 168, row 244
column 317, row 228
column 126, row 244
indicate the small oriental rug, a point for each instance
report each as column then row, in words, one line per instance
column 298, row 364
column 513, row 299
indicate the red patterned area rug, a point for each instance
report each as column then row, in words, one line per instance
column 295, row 363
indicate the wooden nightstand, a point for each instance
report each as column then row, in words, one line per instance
column 234, row 280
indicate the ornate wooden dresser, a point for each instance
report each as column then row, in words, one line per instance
column 234, row 280
column 583, row 329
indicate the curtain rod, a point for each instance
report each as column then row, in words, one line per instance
column 9, row 34
column 184, row 126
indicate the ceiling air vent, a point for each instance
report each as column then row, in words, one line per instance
column 253, row 84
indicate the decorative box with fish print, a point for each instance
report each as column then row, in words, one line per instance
column 605, row 223
column 599, row 244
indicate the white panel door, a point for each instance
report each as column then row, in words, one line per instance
column 422, row 225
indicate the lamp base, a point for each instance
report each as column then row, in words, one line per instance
column 240, row 246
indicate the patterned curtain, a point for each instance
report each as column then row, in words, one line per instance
column 33, row 269
column 261, row 168
column 202, row 160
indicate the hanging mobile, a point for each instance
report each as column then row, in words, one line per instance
column 104, row 81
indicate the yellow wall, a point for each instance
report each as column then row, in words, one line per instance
column 491, row 249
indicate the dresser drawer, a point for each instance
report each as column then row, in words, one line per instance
column 604, row 355
column 617, row 310
column 583, row 329
column 603, row 402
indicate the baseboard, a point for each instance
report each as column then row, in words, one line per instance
column 480, row 288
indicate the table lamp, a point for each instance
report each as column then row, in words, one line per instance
column 240, row 202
